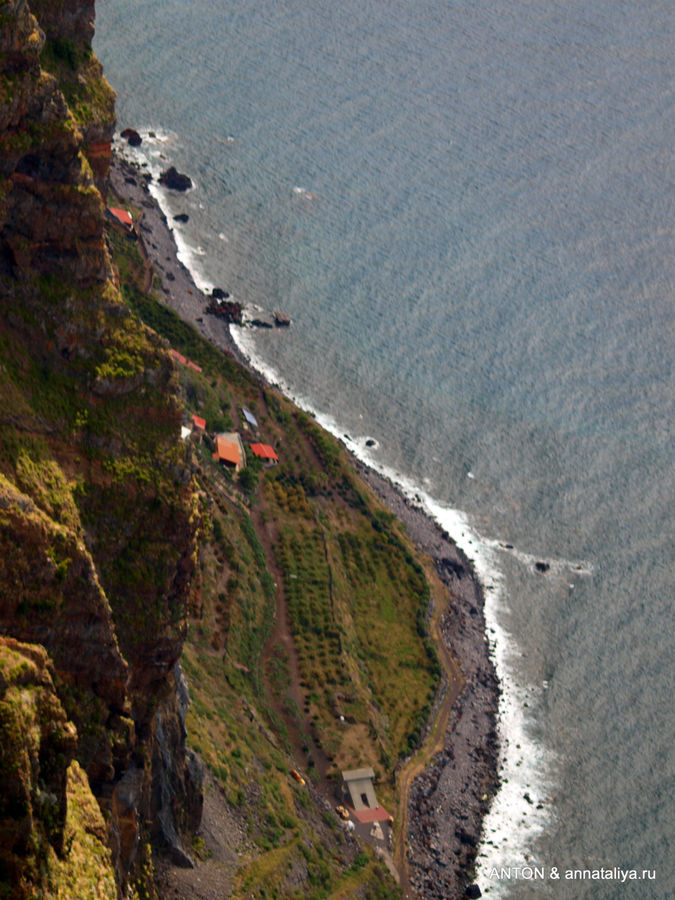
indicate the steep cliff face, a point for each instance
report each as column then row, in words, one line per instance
column 97, row 520
column 69, row 29
column 53, row 834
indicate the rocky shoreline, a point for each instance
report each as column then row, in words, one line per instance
column 449, row 800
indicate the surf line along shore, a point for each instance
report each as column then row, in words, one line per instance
column 445, row 788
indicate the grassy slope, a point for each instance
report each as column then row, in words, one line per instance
column 356, row 598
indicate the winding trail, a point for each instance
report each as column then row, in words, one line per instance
column 434, row 743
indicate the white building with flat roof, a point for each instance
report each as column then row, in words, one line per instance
column 358, row 784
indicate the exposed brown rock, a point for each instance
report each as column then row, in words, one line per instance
column 36, row 746
column 100, row 575
column 71, row 20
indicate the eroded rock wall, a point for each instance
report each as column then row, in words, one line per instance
column 97, row 516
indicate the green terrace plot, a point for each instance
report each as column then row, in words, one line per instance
column 356, row 601
column 237, row 591
column 307, row 576
column 293, row 847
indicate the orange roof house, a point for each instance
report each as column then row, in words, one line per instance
column 199, row 423
column 264, row 452
column 121, row 216
column 229, row 451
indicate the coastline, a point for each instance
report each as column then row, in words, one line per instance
column 441, row 850
column 445, row 808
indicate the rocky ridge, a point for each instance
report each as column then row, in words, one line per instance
column 98, row 520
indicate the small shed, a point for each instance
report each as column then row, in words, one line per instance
column 198, row 423
column 121, row 216
column 265, row 452
column 250, row 418
column 178, row 357
column 229, row 451
column 358, row 784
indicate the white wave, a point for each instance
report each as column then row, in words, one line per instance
column 186, row 253
column 304, row 193
column 543, row 564
column 146, row 158
column 147, row 155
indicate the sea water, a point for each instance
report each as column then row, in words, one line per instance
column 467, row 210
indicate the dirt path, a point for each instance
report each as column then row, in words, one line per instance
column 303, row 746
column 445, row 788
column 434, row 743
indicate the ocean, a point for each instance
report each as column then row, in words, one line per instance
column 467, row 209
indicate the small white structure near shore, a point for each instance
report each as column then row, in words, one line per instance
column 358, row 784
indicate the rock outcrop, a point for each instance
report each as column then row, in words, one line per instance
column 53, row 838
column 97, row 518
column 175, row 180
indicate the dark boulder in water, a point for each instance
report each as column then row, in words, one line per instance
column 181, row 217
column 473, row 892
column 133, row 137
column 542, row 566
column 219, row 293
column 175, row 180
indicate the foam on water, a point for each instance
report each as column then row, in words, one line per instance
column 150, row 157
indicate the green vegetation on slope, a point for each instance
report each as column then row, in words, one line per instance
column 354, row 686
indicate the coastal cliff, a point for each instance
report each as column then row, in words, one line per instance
column 97, row 519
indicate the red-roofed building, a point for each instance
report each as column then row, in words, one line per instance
column 378, row 814
column 265, row 452
column 121, row 216
column 199, row 423
column 230, row 451
column 178, row 357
